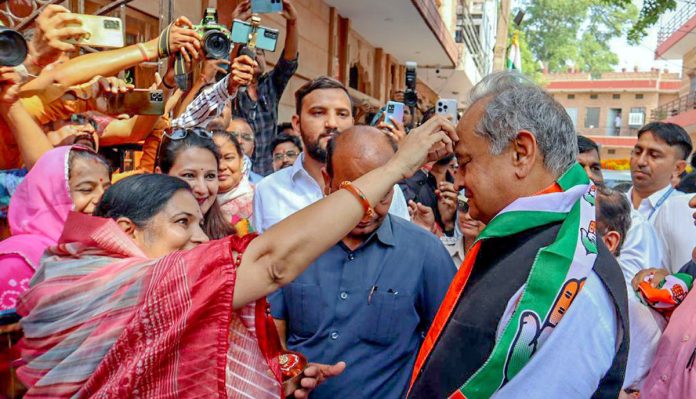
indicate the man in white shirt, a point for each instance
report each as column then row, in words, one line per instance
column 323, row 109
column 659, row 155
column 641, row 248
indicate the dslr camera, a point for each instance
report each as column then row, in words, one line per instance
column 13, row 47
column 215, row 38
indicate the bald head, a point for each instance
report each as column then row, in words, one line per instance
column 358, row 150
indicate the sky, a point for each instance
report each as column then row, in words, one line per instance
column 642, row 55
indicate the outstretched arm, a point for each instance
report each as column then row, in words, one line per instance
column 284, row 251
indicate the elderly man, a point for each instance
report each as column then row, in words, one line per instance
column 367, row 300
column 538, row 308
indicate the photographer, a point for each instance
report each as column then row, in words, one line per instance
column 259, row 103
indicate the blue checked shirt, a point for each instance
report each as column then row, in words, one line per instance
column 262, row 115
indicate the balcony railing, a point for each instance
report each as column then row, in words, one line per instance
column 680, row 105
column 684, row 13
column 467, row 34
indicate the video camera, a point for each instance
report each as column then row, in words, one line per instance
column 410, row 94
column 215, row 38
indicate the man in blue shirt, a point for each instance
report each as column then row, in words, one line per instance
column 369, row 299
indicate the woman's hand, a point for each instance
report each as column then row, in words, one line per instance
column 9, row 87
column 657, row 276
column 113, row 85
column 49, row 41
column 315, row 374
column 428, row 142
column 395, row 130
column 421, row 215
column 447, row 204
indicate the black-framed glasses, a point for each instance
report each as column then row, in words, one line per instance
column 181, row 133
column 244, row 136
column 462, row 206
column 291, row 155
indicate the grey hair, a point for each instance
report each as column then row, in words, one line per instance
column 516, row 103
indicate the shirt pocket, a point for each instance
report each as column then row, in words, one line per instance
column 304, row 309
column 386, row 317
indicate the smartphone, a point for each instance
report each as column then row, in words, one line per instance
column 394, row 110
column 266, row 6
column 104, row 32
column 137, row 102
column 447, row 107
column 266, row 38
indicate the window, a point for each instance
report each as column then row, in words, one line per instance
column 637, row 117
column 593, row 96
column 573, row 113
column 616, row 96
column 591, row 117
column 571, row 96
column 639, row 96
column 692, row 85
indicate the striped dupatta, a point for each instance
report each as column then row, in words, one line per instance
column 103, row 320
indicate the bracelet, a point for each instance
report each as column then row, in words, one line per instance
column 367, row 209
column 141, row 47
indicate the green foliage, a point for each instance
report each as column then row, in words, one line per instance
column 565, row 33
column 649, row 15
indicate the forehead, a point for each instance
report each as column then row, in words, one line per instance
column 88, row 169
column 650, row 141
column 182, row 201
column 326, row 98
column 285, row 146
column 239, row 126
column 470, row 142
column 195, row 158
column 588, row 157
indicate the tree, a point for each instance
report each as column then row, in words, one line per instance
column 649, row 15
column 576, row 33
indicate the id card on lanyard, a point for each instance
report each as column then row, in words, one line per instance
column 660, row 202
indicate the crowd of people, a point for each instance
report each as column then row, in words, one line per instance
column 423, row 258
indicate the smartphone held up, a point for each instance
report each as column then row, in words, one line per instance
column 106, row 32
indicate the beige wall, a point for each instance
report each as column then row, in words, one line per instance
column 605, row 102
column 689, row 67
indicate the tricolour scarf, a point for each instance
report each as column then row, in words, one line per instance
column 556, row 277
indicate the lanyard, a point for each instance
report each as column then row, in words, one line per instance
column 661, row 201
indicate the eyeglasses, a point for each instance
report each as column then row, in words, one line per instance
column 180, row 134
column 462, row 206
column 291, row 155
column 244, row 136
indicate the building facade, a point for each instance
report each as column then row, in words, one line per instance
column 363, row 43
column 675, row 41
column 616, row 104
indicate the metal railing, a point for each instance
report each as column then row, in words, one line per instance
column 466, row 34
column 683, row 14
column 675, row 107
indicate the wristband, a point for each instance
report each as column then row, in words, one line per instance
column 367, row 209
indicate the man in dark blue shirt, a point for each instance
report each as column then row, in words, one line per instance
column 369, row 299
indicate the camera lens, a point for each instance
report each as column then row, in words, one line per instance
column 13, row 47
column 216, row 45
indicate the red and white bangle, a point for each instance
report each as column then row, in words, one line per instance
column 367, row 209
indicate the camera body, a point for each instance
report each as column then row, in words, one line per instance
column 410, row 94
column 215, row 38
column 13, row 47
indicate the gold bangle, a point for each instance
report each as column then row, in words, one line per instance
column 367, row 209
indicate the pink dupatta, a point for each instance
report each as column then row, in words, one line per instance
column 102, row 320
column 38, row 210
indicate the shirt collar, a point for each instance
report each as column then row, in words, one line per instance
column 655, row 197
column 298, row 166
column 385, row 233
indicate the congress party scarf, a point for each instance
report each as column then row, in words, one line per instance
column 556, row 277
